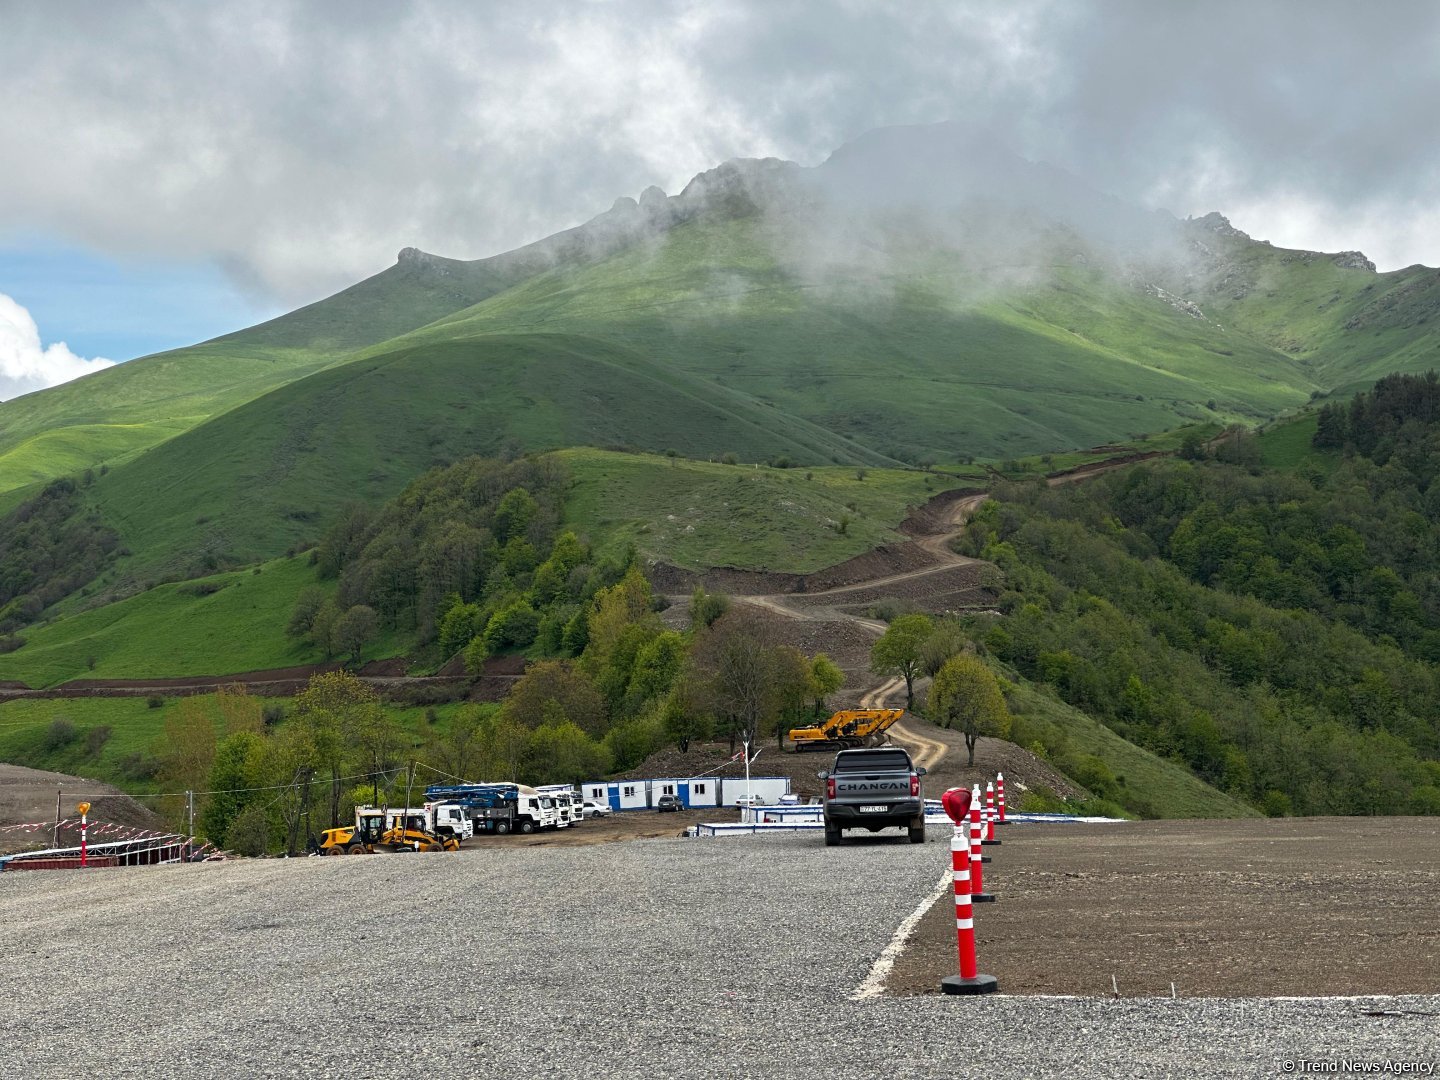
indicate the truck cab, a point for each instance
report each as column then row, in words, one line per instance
column 873, row 790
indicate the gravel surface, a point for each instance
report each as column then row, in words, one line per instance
column 664, row 958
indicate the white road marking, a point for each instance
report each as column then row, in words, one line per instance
column 874, row 984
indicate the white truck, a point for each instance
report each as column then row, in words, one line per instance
column 440, row 818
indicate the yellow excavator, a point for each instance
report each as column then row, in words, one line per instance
column 845, row 729
column 370, row 833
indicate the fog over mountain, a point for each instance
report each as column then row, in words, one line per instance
column 299, row 147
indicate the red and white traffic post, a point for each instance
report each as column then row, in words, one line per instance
column 978, row 895
column 969, row 982
column 1000, row 795
column 84, row 809
column 990, row 815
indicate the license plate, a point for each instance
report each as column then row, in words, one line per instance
column 873, row 809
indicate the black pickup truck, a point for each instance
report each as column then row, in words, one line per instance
column 873, row 790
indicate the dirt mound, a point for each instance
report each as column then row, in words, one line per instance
column 937, row 514
column 27, row 796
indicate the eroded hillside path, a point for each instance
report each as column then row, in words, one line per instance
column 811, row 606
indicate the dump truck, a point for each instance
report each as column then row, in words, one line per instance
column 846, row 729
column 500, row 808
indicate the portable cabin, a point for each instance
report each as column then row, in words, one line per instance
column 691, row 791
column 766, row 790
column 629, row 795
column 597, row 791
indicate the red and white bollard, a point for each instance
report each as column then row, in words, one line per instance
column 990, row 815
column 84, row 809
column 978, row 895
column 969, row 982
column 1000, row 795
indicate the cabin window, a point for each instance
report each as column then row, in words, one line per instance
column 629, row 790
column 698, row 789
column 669, row 789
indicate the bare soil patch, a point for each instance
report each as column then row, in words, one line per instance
column 28, row 795
column 1297, row 906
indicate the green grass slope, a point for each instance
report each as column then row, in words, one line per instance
column 252, row 482
column 112, row 414
column 213, row 626
column 697, row 514
column 928, row 362
column 1345, row 324
column 1150, row 785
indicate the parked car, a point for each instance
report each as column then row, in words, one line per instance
column 590, row 808
column 666, row 803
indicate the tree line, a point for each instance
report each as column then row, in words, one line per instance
column 1254, row 626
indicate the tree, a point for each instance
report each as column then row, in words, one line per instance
column 236, row 767
column 560, row 752
column 966, row 696
column 898, row 652
column 948, row 640
column 557, row 682
column 825, row 679
column 738, row 667
column 343, row 723
column 354, row 630
column 684, row 714
column 657, row 665
column 307, row 606
column 460, row 751
column 790, row 688
column 705, row 607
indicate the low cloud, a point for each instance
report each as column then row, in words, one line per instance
column 300, row 146
column 25, row 364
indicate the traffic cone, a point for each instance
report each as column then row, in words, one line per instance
column 990, row 815
column 1000, row 795
column 969, row 982
column 978, row 895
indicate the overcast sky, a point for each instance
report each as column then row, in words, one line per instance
column 250, row 157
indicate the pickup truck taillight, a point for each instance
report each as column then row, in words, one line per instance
column 830, row 788
column 914, row 785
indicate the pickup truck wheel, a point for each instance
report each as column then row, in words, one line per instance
column 917, row 836
column 502, row 827
column 832, row 837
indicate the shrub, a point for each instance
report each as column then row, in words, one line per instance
column 138, row 765
column 249, row 833
column 155, row 701
column 60, row 734
column 272, row 714
column 96, row 738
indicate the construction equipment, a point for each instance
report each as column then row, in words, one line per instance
column 501, row 808
column 846, row 729
column 376, row 828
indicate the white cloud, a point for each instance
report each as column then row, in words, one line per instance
column 25, row 364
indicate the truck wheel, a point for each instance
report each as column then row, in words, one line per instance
column 355, row 849
column 832, row 837
column 337, row 850
column 502, row 827
column 527, row 826
column 917, row 836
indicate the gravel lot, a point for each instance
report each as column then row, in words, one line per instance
column 715, row 958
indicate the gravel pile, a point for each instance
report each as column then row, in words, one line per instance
column 660, row 958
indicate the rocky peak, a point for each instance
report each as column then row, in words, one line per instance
column 1352, row 260
column 1220, row 225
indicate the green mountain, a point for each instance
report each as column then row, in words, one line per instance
column 922, row 296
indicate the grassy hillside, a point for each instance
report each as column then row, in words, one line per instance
column 1146, row 783
column 699, row 514
column 116, row 413
column 212, row 626
column 251, row 483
